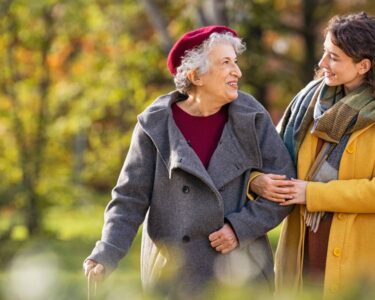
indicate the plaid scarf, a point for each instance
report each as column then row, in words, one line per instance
column 334, row 116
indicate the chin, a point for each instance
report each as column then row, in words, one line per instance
column 232, row 97
column 330, row 82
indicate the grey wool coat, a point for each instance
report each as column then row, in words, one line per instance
column 164, row 185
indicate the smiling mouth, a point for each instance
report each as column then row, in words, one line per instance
column 233, row 84
column 328, row 74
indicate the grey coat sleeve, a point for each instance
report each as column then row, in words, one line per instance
column 259, row 216
column 130, row 201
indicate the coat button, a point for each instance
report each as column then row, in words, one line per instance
column 350, row 149
column 337, row 252
column 186, row 239
column 341, row 216
column 185, row 189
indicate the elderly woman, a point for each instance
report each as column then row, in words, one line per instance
column 328, row 241
column 187, row 170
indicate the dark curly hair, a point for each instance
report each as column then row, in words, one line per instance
column 355, row 35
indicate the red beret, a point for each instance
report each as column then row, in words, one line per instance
column 190, row 40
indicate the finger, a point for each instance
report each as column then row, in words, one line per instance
column 296, row 180
column 229, row 248
column 278, row 196
column 227, row 236
column 283, row 183
column 88, row 269
column 99, row 269
column 277, row 176
column 215, row 235
column 88, row 265
column 284, row 190
column 215, row 243
column 290, row 202
column 274, row 199
column 227, row 242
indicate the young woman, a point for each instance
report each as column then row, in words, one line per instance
column 329, row 129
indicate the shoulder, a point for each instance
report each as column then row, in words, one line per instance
column 248, row 107
column 159, row 104
column 248, row 103
column 248, row 116
column 159, row 110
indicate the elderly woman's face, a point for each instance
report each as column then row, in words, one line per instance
column 220, row 83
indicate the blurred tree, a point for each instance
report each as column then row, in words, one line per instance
column 72, row 83
column 29, row 138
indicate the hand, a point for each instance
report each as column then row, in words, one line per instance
column 97, row 270
column 224, row 240
column 273, row 187
column 299, row 197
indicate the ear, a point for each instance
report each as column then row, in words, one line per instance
column 364, row 66
column 194, row 77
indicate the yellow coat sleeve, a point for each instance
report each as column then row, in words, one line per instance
column 346, row 196
column 253, row 175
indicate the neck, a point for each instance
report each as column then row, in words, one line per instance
column 350, row 88
column 196, row 106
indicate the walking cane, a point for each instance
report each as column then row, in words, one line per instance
column 91, row 285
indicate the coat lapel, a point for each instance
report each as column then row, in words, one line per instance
column 229, row 160
column 158, row 123
column 182, row 156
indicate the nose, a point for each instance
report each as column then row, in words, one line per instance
column 323, row 61
column 236, row 71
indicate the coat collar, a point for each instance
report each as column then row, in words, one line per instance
column 237, row 150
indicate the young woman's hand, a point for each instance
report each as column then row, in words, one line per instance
column 299, row 195
column 273, row 187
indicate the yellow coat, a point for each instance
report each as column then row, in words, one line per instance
column 351, row 246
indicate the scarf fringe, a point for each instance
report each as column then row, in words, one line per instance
column 312, row 220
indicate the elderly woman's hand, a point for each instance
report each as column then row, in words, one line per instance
column 94, row 269
column 273, row 187
column 224, row 240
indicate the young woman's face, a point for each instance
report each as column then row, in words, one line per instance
column 339, row 68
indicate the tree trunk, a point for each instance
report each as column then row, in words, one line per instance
column 159, row 24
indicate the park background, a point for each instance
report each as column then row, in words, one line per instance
column 74, row 74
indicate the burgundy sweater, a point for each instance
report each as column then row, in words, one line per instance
column 201, row 133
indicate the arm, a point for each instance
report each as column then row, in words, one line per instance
column 129, row 204
column 257, row 217
column 350, row 196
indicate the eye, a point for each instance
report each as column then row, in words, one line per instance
column 330, row 56
column 333, row 58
